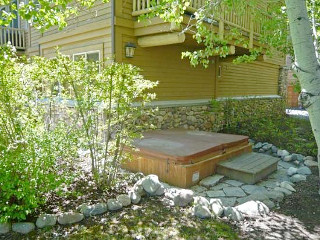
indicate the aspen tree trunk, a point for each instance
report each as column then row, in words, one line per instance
column 306, row 63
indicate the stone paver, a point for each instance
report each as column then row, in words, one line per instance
column 219, row 186
column 228, row 202
column 215, row 194
column 234, row 183
column 211, row 181
column 234, row 192
column 251, row 189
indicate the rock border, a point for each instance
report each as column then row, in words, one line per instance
column 296, row 166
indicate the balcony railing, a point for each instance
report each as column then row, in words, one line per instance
column 243, row 21
column 15, row 36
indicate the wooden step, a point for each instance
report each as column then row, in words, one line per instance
column 249, row 167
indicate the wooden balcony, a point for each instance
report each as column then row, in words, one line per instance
column 15, row 36
column 250, row 27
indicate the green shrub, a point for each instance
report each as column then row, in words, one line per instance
column 265, row 120
column 33, row 156
column 108, row 104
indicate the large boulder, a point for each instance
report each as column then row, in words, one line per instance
column 182, row 197
column 152, row 185
column 253, row 209
column 23, row 227
column 202, row 208
column 46, row 220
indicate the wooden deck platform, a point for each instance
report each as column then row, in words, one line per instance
column 248, row 168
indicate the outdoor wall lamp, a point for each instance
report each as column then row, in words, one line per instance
column 130, row 48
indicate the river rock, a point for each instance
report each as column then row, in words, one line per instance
column 283, row 153
column 310, row 163
column 298, row 178
column 274, row 149
column 134, row 196
column 183, row 197
column 287, row 185
column 217, row 207
column 291, row 171
column 124, row 199
column 201, row 201
column 5, row 228
column 267, row 147
column 253, row 209
column 304, row 171
column 233, row 214
column 287, row 158
column 277, row 196
column 258, row 145
column 70, row 218
column 151, row 185
column 201, row 211
column 23, row 227
column 283, row 190
column 46, row 220
column 269, row 204
column 114, row 204
column 92, row 210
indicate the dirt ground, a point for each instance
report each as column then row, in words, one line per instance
column 297, row 218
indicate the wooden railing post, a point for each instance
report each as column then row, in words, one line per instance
column 134, row 5
column 221, row 24
column 251, row 28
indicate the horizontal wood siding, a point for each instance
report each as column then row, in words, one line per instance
column 91, row 28
column 177, row 79
column 257, row 78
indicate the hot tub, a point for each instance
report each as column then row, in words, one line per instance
column 183, row 157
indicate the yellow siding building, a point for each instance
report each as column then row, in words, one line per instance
column 103, row 32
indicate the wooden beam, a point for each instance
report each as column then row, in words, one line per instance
column 161, row 39
column 232, row 51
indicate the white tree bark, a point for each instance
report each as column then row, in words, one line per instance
column 306, row 63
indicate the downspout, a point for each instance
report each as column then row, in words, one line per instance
column 113, row 29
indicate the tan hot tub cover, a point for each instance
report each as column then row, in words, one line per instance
column 183, row 157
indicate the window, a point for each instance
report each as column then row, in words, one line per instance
column 93, row 56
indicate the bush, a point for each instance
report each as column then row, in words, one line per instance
column 266, row 121
column 32, row 155
column 52, row 108
column 108, row 105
